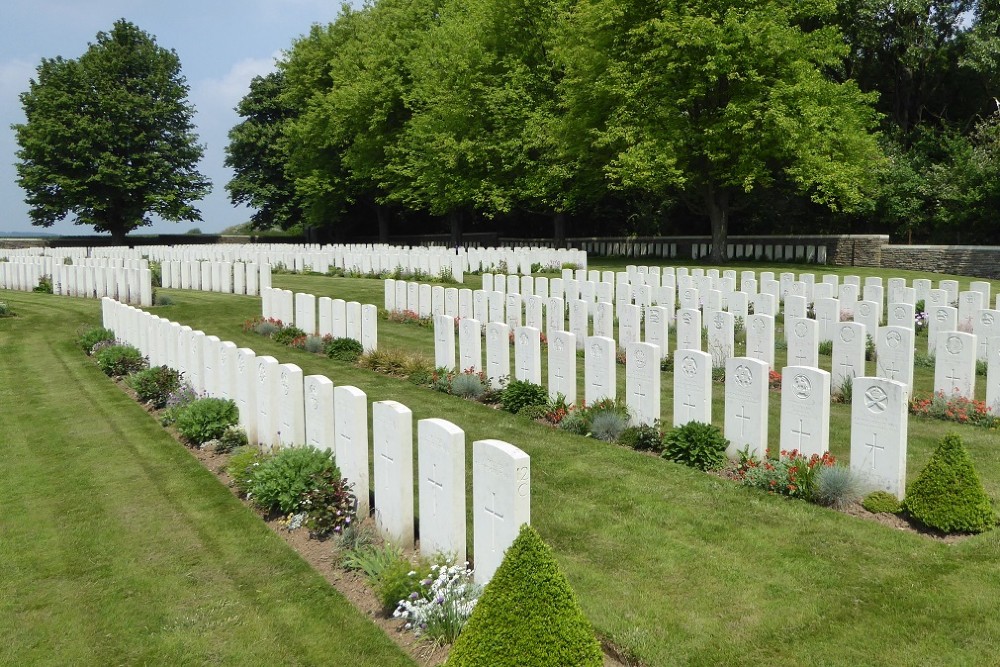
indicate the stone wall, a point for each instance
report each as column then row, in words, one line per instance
column 979, row 261
column 841, row 250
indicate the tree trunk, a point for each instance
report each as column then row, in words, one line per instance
column 717, row 205
column 559, row 230
column 455, row 220
column 383, row 223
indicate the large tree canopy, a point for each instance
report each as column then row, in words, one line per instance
column 257, row 154
column 109, row 137
column 715, row 100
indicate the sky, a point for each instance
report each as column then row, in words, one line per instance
column 222, row 45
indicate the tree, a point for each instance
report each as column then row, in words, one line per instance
column 258, row 154
column 714, row 100
column 109, row 137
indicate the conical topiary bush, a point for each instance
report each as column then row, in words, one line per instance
column 947, row 495
column 527, row 615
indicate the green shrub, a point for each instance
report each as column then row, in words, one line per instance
column 534, row 412
column 206, row 419
column 643, row 438
column 232, row 438
column 242, row 464
column 343, row 349
column 154, row 385
column 281, row 482
column 697, row 445
column 330, row 506
column 120, row 360
column 178, row 399
column 608, row 425
column 160, row 299
column 947, row 495
column 882, row 502
column 371, row 559
column 825, row 347
column 527, row 615
column 285, row 335
column 519, row 394
column 5, row 310
column 837, row 487
column 92, row 337
column 44, row 285
column 397, row 581
column 468, row 385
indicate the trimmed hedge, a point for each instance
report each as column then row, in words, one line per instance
column 527, row 615
column 948, row 495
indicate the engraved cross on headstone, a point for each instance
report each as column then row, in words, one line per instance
column 438, row 487
column 801, row 433
column 744, row 418
column 891, row 369
column 873, row 445
column 494, row 517
column 690, row 405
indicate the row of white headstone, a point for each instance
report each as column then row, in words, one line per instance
column 323, row 316
column 279, row 407
column 131, row 285
column 225, row 277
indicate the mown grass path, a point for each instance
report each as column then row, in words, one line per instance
column 118, row 547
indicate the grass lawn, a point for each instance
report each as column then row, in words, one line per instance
column 675, row 566
column 118, row 548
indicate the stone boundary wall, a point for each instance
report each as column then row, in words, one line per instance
column 979, row 261
column 835, row 249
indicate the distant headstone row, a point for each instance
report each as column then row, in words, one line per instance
column 280, row 408
column 130, row 284
column 323, row 316
column 216, row 276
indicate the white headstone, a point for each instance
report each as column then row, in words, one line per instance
column 441, row 471
column 291, row 406
column 805, row 410
column 848, row 354
column 267, row 402
column 802, row 345
column 747, row 384
column 444, row 342
column 562, row 366
column 320, row 427
column 642, row 382
column 392, row 438
column 878, row 433
column 894, row 354
column 497, row 353
column 350, row 417
column 470, row 345
column 501, row 498
column 692, row 387
column 760, row 338
column 688, row 324
column 527, row 355
column 955, row 364
column 599, row 369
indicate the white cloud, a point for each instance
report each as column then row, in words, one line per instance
column 227, row 91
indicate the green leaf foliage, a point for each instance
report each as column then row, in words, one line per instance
column 257, row 154
column 948, row 495
column 282, row 482
column 109, row 137
column 881, row 502
column 527, row 615
column 206, row 419
column 697, row 445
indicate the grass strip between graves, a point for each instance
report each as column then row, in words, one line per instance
column 117, row 547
